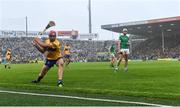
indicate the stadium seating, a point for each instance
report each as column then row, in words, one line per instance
column 23, row 50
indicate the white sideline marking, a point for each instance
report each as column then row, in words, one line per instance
column 83, row 98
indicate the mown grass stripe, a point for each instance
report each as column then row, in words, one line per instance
column 83, row 98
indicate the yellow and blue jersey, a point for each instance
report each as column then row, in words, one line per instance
column 53, row 52
column 67, row 50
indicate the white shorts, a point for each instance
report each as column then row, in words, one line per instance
column 125, row 51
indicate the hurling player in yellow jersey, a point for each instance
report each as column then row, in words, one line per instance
column 8, row 58
column 51, row 48
column 67, row 54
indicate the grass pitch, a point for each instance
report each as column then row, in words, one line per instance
column 151, row 81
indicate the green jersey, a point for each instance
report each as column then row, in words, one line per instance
column 124, row 40
column 113, row 49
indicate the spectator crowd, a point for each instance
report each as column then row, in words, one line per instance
column 91, row 50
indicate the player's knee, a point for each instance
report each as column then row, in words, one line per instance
column 121, row 57
column 61, row 62
column 126, row 59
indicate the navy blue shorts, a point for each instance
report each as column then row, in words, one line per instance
column 67, row 56
column 50, row 63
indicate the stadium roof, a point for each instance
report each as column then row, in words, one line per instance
column 169, row 25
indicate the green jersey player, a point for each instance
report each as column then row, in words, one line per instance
column 123, row 49
column 112, row 51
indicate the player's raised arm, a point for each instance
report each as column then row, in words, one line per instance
column 37, row 46
column 40, row 43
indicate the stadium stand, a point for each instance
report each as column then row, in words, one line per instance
column 85, row 50
column 151, row 48
column 23, row 50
